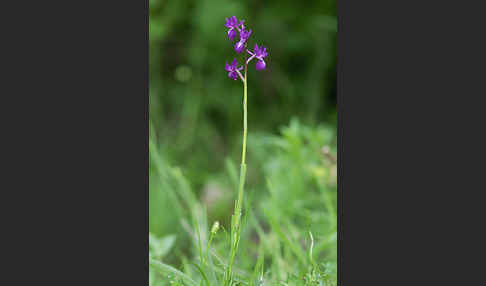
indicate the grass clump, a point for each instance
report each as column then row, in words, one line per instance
column 288, row 227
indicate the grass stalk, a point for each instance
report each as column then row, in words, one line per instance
column 236, row 218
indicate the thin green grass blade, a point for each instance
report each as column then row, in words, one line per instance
column 164, row 269
column 202, row 274
column 258, row 270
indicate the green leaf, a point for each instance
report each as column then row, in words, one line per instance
column 161, row 247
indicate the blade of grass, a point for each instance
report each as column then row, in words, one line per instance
column 164, row 269
column 202, row 274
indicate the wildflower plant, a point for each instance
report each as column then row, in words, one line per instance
column 234, row 72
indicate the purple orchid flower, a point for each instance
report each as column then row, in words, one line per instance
column 244, row 35
column 233, row 70
column 232, row 24
column 258, row 53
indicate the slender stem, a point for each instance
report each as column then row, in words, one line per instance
column 241, row 77
column 236, row 219
column 239, row 202
column 209, row 245
column 243, row 153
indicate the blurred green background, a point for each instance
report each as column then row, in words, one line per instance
column 196, row 114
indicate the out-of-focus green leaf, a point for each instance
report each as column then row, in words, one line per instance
column 159, row 247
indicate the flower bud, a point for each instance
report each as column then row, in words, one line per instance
column 215, row 227
column 260, row 65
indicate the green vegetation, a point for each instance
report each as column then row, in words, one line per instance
column 289, row 223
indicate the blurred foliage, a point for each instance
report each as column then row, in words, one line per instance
column 196, row 128
column 196, row 109
column 292, row 194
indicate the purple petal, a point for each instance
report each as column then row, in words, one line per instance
column 233, row 75
column 231, row 34
column 232, row 22
column 228, row 23
column 244, row 35
column 255, row 49
column 264, row 52
column 234, row 64
column 260, row 65
column 260, row 52
column 227, row 67
column 239, row 46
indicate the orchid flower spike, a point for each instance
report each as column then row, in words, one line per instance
column 233, row 70
column 258, row 53
column 233, row 25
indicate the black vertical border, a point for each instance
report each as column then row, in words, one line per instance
column 81, row 143
column 146, row 129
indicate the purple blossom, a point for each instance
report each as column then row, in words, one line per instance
column 233, row 70
column 258, row 53
column 232, row 24
column 239, row 46
column 244, row 35
column 231, row 34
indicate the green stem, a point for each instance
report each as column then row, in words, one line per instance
column 243, row 151
column 209, row 245
column 236, row 219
